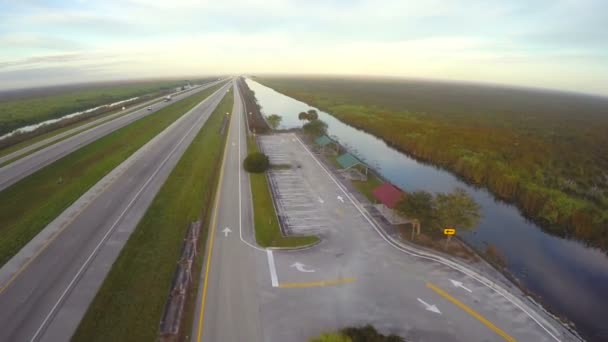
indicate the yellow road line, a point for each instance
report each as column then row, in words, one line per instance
column 321, row 283
column 471, row 312
column 212, row 235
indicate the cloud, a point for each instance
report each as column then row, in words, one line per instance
column 74, row 59
column 520, row 42
column 24, row 40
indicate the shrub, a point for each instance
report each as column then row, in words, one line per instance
column 256, row 162
column 369, row 334
column 315, row 128
column 331, row 337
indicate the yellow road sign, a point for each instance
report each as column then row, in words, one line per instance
column 449, row 231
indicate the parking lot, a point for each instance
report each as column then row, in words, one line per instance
column 354, row 277
column 299, row 208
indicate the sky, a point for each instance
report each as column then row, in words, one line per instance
column 555, row 44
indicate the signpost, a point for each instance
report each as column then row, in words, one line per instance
column 449, row 232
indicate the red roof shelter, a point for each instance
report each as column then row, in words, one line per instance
column 388, row 194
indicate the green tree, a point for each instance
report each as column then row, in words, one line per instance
column 456, row 209
column 256, row 162
column 315, row 128
column 274, row 120
column 312, row 115
column 418, row 205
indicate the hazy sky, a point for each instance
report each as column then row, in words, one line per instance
column 553, row 44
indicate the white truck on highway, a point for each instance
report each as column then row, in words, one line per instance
column 168, row 98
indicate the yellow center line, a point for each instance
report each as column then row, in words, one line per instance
column 321, row 283
column 471, row 312
column 212, row 235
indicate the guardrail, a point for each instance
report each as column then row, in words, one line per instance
column 182, row 278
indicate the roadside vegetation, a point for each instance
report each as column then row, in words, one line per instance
column 357, row 334
column 256, row 162
column 30, row 204
column 267, row 230
column 255, row 119
column 129, row 305
column 435, row 212
column 274, row 120
column 544, row 152
column 21, row 140
column 22, row 109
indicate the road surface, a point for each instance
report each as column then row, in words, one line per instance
column 232, row 307
column 46, row 288
column 23, row 167
column 354, row 276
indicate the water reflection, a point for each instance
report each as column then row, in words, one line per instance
column 569, row 277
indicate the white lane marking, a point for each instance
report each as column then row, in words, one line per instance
column 435, row 258
column 107, row 234
column 301, row 267
column 457, row 283
column 273, row 271
column 226, row 231
column 429, row 307
column 238, row 118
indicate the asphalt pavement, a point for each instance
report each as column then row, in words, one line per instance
column 354, row 276
column 231, row 306
column 25, row 166
column 47, row 287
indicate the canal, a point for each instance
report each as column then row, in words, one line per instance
column 569, row 278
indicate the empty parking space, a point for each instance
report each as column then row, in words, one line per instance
column 298, row 207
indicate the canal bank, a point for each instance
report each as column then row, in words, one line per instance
column 568, row 277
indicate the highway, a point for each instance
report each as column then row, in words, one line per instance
column 356, row 275
column 47, row 287
column 25, row 166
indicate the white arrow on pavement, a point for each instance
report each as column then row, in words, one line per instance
column 301, row 267
column 321, row 200
column 459, row 284
column 226, row 231
column 429, row 307
column 341, row 199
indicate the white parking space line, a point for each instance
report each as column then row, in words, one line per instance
column 296, row 202
column 273, row 270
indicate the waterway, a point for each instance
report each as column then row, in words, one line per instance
column 33, row 127
column 569, row 278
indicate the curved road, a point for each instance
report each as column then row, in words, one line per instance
column 354, row 276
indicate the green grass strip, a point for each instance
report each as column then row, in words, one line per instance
column 267, row 230
column 104, row 118
column 129, row 305
column 30, row 204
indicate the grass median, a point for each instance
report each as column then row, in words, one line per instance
column 30, row 204
column 27, row 107
column 267, row 229
column 129, row 305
